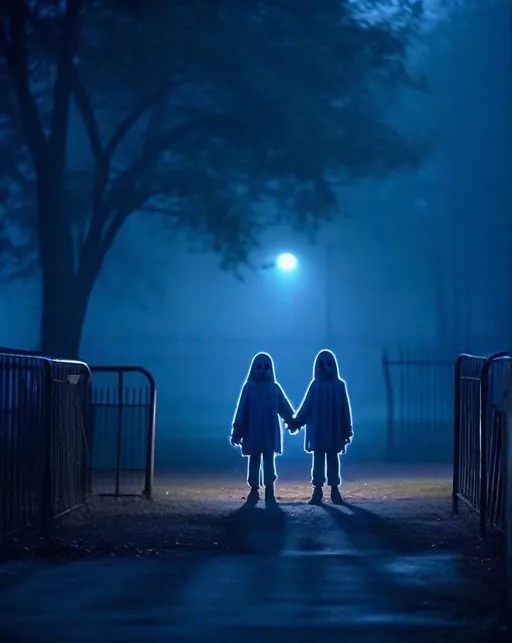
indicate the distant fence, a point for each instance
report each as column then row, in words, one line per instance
column 123, row 431
column 419, row 407
column 44, row 419
column 480, row 438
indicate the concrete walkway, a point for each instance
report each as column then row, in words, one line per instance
column 344, row 580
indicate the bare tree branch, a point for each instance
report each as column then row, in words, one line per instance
column 156, row 210
column 88, row 241
column 14, row 39
column 114, row 226
column 130, row 121
column 69, row 35
column 87, row 113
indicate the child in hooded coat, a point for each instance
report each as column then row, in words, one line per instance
column 257, row 427
column 326, row 413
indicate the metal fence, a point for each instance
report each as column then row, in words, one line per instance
column 466, row 430
column 419, row 407
column 44, row 405
column 479, row 462
column 122, row 430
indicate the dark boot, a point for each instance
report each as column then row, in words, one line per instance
column 253, row 497
column 270, row 498
column 336, row 496
column 316, row 498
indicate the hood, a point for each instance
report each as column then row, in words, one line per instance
column 326, row 366
column 262, row 369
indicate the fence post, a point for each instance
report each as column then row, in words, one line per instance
column 484, row 434
column 120, row 400
column 86, row 412
column 150, row 462
column 456, row 435
column 484, row 407
column 390, row 424
column 507, row 405
column 46, row 482
column 90, row 435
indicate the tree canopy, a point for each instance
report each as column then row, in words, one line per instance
column 195, row 111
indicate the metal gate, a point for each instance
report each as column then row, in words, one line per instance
column 419, row 401
column 481, row 437
column 123, row 431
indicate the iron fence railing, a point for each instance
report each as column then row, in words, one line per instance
column 44, row 419
column 466, row 435
column 419, row 402
column 123, row 430
column 480, row 437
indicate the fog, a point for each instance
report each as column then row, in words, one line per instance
column 420, row 262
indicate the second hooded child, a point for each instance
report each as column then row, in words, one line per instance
column 326, row 413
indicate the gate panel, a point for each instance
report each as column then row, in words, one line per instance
column 493, row 439
column 419, row 394
column 66, row 437
column 467, row 422
column 123, row 430
column 23, row 398
column 480, row 432
column 44, row 416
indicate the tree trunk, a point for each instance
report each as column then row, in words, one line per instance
column 65, row 293
column 62, row 319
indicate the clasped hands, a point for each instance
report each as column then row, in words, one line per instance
column 293, row 426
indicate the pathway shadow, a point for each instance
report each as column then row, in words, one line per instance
column 256, row 530
column 407, row 574
column 367, row 530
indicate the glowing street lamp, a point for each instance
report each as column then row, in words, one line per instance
column 285, row 262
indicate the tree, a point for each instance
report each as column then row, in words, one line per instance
column 196, row 111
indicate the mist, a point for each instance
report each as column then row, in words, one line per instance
column 419, row 263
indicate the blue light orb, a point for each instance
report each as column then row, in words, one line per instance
column 286, row 262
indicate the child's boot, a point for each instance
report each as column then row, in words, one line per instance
column 336, row 496
column 270, row 498
column 253, row 497
column 316, row 498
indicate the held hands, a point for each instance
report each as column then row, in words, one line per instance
column 293, row 426
column 236, row 440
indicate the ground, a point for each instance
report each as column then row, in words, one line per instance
column 191, row 563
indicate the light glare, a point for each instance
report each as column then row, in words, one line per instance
column 286, row 262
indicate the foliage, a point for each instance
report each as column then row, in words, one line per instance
column 195, row 111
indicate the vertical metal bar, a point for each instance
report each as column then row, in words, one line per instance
column 507, row 404
column 131, row 464
column 483, row 445
column 47, row 428
column 119, row 426
column 484, row 434
column 88, row 420
column 12, row 420
column 456, row 434
column 4, row 423
column 150, row 452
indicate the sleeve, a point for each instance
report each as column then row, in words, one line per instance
column 347, row 413
column 240, row 418
column 303, row 415
column 284, row 408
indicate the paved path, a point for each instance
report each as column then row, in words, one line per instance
column 343, row 580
